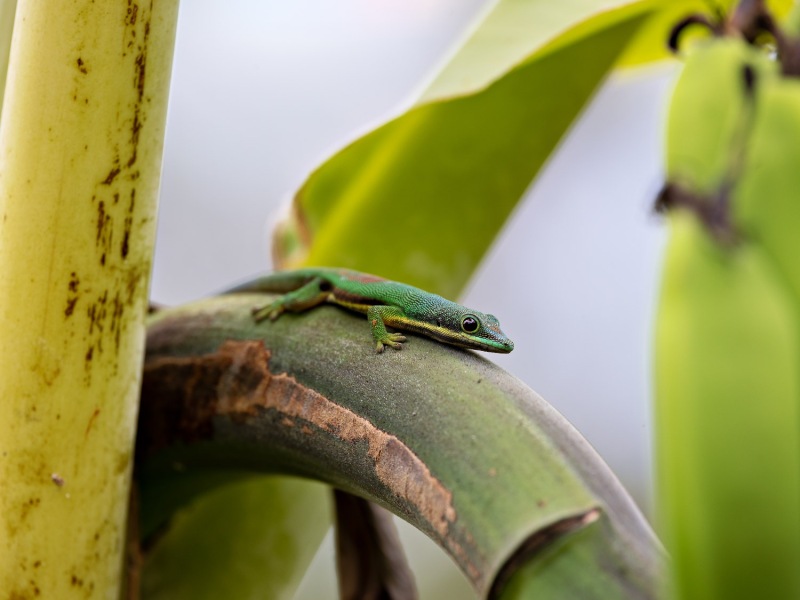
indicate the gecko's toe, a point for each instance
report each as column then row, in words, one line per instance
column 393, row 340
column 260, row 313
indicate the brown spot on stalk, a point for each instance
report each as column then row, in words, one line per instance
column 92, row 420
column 128, row 226
column 112, row 175
column 133, row 11
column 72, row 294
column 102, row 220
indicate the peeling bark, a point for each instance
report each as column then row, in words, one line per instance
column 236, row 383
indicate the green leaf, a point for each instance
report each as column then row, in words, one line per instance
column 728, row 453
column 252, row 539
column 441, row 180
column 727, row 344
column 766, row 197
column 708, row 117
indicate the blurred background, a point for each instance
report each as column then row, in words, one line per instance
column 263, row 92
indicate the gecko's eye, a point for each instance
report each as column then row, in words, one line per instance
column 470, row 324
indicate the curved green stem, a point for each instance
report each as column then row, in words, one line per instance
column 439, row 436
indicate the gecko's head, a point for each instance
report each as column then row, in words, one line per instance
column 483, row 332
column 471, row 329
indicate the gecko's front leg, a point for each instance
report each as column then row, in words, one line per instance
column 376, row 315
column 312, row 294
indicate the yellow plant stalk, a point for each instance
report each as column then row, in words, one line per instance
column 80, row 152
column 7, row 10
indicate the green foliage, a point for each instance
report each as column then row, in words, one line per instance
column 766, row 194
column 448, row 173
column 709, row 118
column 728, row 335
column 727, row 421
column 252, row 539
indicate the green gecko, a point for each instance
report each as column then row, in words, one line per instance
column 385, row 303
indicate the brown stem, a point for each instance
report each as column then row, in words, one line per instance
column 369, row 556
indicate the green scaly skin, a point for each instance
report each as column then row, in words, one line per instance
column 386, row 303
